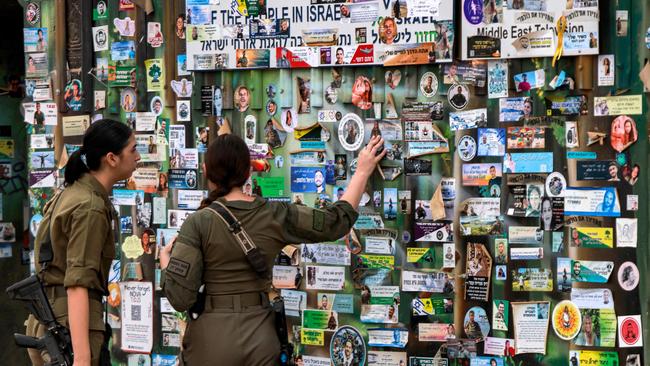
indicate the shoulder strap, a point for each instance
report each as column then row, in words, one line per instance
column 46, row 254
column 234, row 226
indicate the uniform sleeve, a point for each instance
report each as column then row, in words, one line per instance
column 84, row 250
column 302, row 224
column 184, row 273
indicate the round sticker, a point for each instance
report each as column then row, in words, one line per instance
column 629, row 331
column 476, row 324
column 331, row 94
column 289, row 119
column 127, row 99
column 156, row 106
column 338, row 115
column 271, row 107
column 347, row 347
column 393, row 77
column 362, row 93
column 628, row 276
column 190, row 178
column 467, row 148
column 406, row 237
column 567, row 320
column 365, row 198
column 32, row 13
column 623, row 133
column 429, row 84
column 555, row 185
column 351, row 132
column 34, row 223
column 473, row 10
column 458, row 96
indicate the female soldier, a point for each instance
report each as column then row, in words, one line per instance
column 237, row 326
column 79, row 220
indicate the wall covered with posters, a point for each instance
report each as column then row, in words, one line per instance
column 502, row 224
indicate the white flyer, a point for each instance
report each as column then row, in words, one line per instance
column 137, row 316
column 325, row 278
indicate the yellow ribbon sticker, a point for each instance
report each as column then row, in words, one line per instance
column 561, row 28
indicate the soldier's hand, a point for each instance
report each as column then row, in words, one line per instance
column 166, row 253
column 368, row 156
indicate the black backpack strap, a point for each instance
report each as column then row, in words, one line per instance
column 46, row 253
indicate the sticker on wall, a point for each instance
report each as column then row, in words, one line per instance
column 127, row 99
column 32, row 13
column 74, row 95
column 271, row 107
column 100, row 11
column 156, row 106
column 350, row 132
column 467, row 148
column 571, row 134
column 362, row 93
column 555, row 184
column 250, row 123
column 126, row 26
column 476, row 324
column 629, row 331
column 154, row 35
column 458, row 96
column 100, row 38
column 182, row 88
column 183, row 110
column 623, row 133
column 429, row 84
column 393, row 77
column 498, row 79
column 155, row 74
column 289, row 119
column 628, row 276
column 566, row 320
column 242, row 98
column 606, row 70
column 131, row 247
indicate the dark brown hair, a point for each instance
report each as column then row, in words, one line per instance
column 228, row 165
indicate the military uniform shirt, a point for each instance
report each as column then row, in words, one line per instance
column 81, row 232
column 206, row 252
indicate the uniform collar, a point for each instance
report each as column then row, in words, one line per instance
column 89, row 181
column 243, row 205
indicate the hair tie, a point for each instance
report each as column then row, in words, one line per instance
column 84, row 160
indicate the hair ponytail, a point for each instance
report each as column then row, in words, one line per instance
column 227, row 164
column 102, row 137
column 75, row 168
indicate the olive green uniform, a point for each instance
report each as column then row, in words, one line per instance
column 83, row 244
column 237, row 327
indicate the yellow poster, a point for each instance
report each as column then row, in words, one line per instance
column 312, row 337
column 614, row 106
column 413, row 255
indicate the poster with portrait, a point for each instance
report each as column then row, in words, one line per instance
column 592, row 202
column 491, row 141
column 498, row 79
column 606, row 70
column 478, row 267
column 514, row 109
column 320, row 25
column 523, row 29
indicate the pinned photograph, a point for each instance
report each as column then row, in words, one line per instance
column 304, row 95
column 242, row 98
column 606, row 70
column 392, row 78
column 127, row 99
column 621, row 23
column 362, row 93
column 429, row 84
column 623, row 133
column 530, row 80
column 289, row 120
